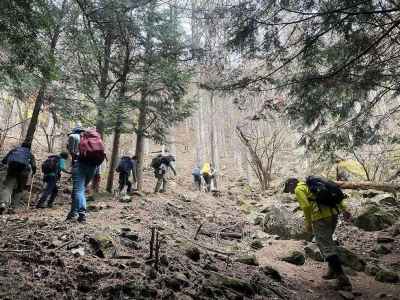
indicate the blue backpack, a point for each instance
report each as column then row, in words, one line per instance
column 19, row 159
column 125, row 165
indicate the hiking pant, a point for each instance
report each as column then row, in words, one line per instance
column 197, row 181
column 123, row 181
column 51, row 191
column 13, row 187
column 207, row 180
column 82, row 174
column 323, row 230
column 161, row 185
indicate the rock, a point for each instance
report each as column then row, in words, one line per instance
column 184, row 198
column 372, row 268
column 103, row 245
column 378, row 213
column 235, row 284
column 389, row 276
column 193, row 253
column 346, row 295
column 382, row 249
column 350, row 259
column 395, row 230
column 177, row 281
column 285, row 223
column 130, row 244
column 210, row 267
column 271, row 272
column 258, row 220
column 125, row 199
column 77, row 252
column 295, row 257
column 256, row 244
column 250, row 260
column 382, row 239
column 312, row 251
column 130, row 236
column 164, row 260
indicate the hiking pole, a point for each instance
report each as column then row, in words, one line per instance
column 30, row 191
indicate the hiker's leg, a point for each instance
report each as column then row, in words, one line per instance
column 164, row 184
column 75, row 190
column 53, row 195
column 121, row 181
column 48, row 190
column 6, row 190
column 158, row 184
column 87, row 174
column 22, row 180
column 128, row 183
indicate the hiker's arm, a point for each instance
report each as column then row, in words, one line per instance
column 305, row 206
column 62, row 167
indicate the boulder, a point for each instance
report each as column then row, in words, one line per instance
column 378, row 213
column 382, row 249
column 103, row 245
column 388, row 276
column 295, row 257
column 250, row 260
column 312, row 251
column 256, row 245
column 271, row 272
column 285, row 222
column 350, row 259
column 193, row 253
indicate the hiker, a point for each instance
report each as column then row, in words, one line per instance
column 196, row 172
column 207, row 175
column 73, row 143
column 52, row 168
column 126, row 166
column 161, row 164
column 321, row 220
column 91, row 155
column 347, row 170
column 20, row 165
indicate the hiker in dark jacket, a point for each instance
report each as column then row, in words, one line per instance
column 161, row 164
column 20, row 165
column 126, row 166
column 52, row 168
column 321, row 221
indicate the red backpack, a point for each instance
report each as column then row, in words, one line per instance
column 91, row 148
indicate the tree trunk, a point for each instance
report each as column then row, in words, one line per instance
column 140, row 137
column 366, row 185
column 114, row 159
column 35, row 115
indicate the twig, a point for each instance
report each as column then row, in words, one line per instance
column 63, row 245
column 15, row 251
column 157, row 251
column 153, row 230
column 198, row 231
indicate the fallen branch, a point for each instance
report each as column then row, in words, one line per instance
column 223, row 235
column 367, row 185
column 15, row 251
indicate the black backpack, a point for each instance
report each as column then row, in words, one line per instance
column 326, row 192
column 19, row 159
column 50, row 165
column 156, row 162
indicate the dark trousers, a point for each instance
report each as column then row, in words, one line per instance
column 207, row 180
column 161, row 185
column 50, row 192
column 123, row 181
column 197, row 181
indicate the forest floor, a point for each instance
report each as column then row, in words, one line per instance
column 44, row 257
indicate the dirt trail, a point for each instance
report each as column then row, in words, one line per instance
column 50, row 270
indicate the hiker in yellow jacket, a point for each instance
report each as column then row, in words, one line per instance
column 348, row 169
column 321, row 221
column 207, row 175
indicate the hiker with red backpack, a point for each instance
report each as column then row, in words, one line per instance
column 20, row 165
column 51, row 169
column 91, row 155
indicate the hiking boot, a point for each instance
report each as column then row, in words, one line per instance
column 50, row 205
column 40, row 205
column 343, row 283
column 330, row 275
column 82, row 219
column 70, row 217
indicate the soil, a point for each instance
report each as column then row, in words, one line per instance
column 44, row 257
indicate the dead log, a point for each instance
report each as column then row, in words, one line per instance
column 369, row 185
column 222, row 235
